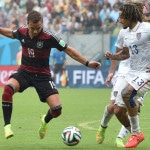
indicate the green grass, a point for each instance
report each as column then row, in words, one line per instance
column 81, row 107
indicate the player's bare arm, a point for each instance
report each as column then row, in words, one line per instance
column 6, row 32
column 122, row 55
column 73, row 53
column 112, row 68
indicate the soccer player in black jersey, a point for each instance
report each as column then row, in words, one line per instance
column 35, row 70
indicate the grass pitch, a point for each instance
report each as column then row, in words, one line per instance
column 82, row 108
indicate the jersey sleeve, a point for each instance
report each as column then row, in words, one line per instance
column 58, row 43
column 120, row 39
column 15, row 34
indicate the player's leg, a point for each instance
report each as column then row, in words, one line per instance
column 136, row 135
column 124, row 131
column 7, row 105
column 120, row 137
column 129, row 95
column 52, row 100
column 121, row 114
column 108, row 114
column 120, row 107
column 54, row 111
column 17, row 82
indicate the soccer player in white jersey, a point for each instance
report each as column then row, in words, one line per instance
column 120, row 111
column 136, row 46
column 117, row 87
column 109, row 109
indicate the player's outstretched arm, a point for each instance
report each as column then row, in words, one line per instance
column 112, row 69
column 122, row 55
column 6, row 32
column 73, row 53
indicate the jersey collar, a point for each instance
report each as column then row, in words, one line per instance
column 136, row 27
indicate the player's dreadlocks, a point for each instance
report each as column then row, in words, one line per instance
column 140, row 7
column 132, row 12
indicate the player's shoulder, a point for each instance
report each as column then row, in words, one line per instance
column 50, row 33
column 145, row 25
column 22, row 29
column 122, row 31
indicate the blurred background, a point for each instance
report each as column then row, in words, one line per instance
column 88, row 25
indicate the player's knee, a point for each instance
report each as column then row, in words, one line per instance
column 110, row 108
column 56, row 111
column 8, row 93
column 117, row 110
column 126, row 94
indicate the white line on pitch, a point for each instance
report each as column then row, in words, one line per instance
column 86, row 125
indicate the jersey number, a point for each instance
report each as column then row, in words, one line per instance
column 134, row 49
column 31, row 52
column 138, row 81
column 52, row 84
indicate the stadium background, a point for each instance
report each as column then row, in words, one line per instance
column 77, row 22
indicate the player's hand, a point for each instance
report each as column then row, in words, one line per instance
column 108, row 55
column 108, row 79
column 94, row 64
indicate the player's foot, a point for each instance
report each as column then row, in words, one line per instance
column 100, row 135
column 119, row 142
column 134, row 140
column 8, row 132
column 43, row 127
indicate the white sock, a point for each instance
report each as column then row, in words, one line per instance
column 106, row 118
column 123, row 132
column 135, row 127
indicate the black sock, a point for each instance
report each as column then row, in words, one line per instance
column 7, row 111
column 48, row 116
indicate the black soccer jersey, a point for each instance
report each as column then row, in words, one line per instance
column 36, row 51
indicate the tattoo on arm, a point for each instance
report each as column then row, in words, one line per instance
column 122, row 55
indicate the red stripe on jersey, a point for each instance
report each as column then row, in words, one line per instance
column 35, row 70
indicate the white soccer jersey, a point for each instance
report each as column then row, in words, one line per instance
column 138, row 42
column 124, row 64
column 123, row 69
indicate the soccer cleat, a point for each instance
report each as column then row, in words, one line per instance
column 43, row 128
column 8, row 132
column 100, row 135
column 134, row 140
column 119, row 142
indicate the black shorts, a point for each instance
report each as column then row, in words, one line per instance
column 43, row 83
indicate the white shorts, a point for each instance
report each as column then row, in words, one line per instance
column 140, row 82
column 119, row 84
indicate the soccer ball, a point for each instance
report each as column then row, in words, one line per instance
column 71, row 136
